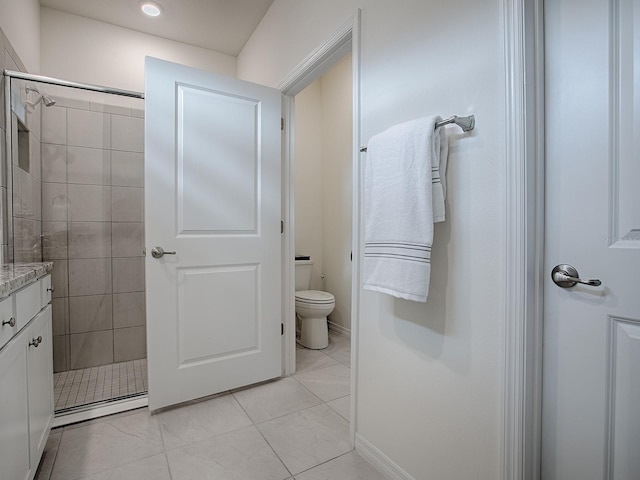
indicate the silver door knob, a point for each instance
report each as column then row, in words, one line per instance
column 566, row 276
column 159, row 252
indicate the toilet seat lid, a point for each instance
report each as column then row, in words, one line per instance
column 315, row 296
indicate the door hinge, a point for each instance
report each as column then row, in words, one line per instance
column 281, row 123
column 281, row 226
column 282, row 329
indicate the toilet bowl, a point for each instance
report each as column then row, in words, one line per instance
column 312, row 309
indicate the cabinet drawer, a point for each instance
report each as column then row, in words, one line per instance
column 45, row 290
column 6, row 314
column 28, row 304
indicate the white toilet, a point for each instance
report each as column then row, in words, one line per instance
column 312, row 308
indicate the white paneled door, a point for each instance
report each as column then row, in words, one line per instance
column 212, row 196
column 591, row 371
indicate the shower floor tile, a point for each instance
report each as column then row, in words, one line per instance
column 89, row 385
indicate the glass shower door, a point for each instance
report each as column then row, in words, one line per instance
column 78, row 202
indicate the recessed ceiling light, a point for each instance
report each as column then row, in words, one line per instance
column 151, row 9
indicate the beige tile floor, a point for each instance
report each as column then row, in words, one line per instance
column 89, row 385
column 292, row 428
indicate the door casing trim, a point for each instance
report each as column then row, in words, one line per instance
column 524, row 238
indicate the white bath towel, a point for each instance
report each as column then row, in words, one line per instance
column 404, row 197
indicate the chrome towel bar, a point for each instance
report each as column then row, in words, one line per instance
column 467, row 124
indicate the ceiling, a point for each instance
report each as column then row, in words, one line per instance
column 220, row 25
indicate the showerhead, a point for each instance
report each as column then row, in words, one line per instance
column 44, row 98
column 47, row 100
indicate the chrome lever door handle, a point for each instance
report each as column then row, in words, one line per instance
column 566, row 276
column 159, row 252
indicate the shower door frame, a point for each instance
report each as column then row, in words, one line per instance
column 105, row 407
column 67, row 83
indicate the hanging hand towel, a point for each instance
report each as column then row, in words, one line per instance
column 404, row 197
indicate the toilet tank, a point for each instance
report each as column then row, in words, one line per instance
column 303, row 274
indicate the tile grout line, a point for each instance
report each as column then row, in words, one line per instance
column 326, row 461
column 55, row 457
column 166, row 459
column 290, row 413
column 320, row 369
column 273, row 450
column 294, row 413
column 255, row 425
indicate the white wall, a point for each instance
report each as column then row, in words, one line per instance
column 84, row 50
column 295, row 28
column 429, row 388
column 20, row 22
column 308, row 177
column 337, row 135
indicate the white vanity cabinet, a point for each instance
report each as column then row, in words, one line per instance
column 26, row 382
column 14, row 413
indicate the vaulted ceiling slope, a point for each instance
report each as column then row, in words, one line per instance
column 220, row 25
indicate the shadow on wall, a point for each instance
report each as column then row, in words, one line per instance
column 432, row 314
column 423, row 326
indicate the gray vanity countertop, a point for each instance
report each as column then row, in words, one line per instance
column 15, row 275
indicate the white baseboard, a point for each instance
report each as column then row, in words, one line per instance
column 380, row 461
column 339, row 329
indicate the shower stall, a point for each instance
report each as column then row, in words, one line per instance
column 76, row 198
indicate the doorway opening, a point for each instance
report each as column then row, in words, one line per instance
column 323, row 191
column 340, row 50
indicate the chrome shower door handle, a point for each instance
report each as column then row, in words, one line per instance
column 566, row 276
column 159, row 252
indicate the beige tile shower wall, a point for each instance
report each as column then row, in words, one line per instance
column 93, row 212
